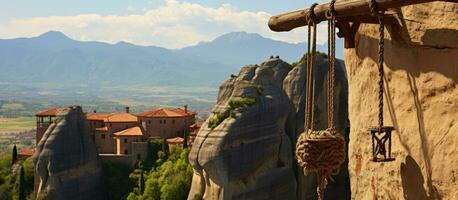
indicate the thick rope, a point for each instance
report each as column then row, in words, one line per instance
column 321, row 152
column 310, row 100
column 379, row 13
column 330, row 14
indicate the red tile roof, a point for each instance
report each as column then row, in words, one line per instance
column 97, row 116
column 134, row 131
column 114, row 117
column 121, row 117
column 167, row 112
column 49, row 112
column 175, row 140
column 26, row 152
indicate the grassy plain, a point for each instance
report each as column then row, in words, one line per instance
column 19, row 124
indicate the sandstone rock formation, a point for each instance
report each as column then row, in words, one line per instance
column 66, row 161
column 421, row 102
column 246, row 152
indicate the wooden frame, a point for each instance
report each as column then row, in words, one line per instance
column 349, row 15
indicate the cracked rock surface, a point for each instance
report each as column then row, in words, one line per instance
column 66, row 160
column 249, row 154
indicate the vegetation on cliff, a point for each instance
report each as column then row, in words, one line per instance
column 303, row 60
column 13, row 185
column 235, row 105
column 170, row 180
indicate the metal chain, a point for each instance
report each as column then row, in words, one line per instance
column 379, row 13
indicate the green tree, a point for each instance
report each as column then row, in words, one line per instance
column 14, row 156
column 116, row 180
column 21, row 185
column 154, row 147
column 172, row 179
column 142, row 182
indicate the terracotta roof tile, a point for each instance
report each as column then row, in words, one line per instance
column 175, row 140
column 134, row 131
column 97, row 116
column 167, row 112
column 26, row 152
column 49, row 112
column 113, row 117
column 122, row 117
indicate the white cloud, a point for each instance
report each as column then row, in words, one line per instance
column 173, row 25
column 130, row 8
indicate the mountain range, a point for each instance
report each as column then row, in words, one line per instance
column 54, row 58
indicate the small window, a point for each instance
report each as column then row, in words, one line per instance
column 126, row 152
column 149, row 121
column 125, row 140
column 160, row 121
column 173, row 121
column 139, row 157
column 103, row 136
column 165, row 121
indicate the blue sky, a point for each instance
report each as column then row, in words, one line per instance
column 167, row 23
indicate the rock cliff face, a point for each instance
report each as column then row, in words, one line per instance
column 66, row 161
column 421, row 102
column 245, row 148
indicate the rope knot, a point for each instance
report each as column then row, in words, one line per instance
column 311, row 16
column 375, row 10
column 331, row 13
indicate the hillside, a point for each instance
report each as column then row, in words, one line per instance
column 55, row 58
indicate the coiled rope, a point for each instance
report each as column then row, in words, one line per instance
column 321, row 152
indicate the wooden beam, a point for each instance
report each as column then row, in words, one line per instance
column 295, row 19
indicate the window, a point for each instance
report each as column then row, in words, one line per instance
column 149, row 121
column 125, row 151
column 139, row 157
column 160, row 121
column 125, row 140
column 165, row 121
column 173, row 121
column 103, row 136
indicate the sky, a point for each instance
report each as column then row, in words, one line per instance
column 166, row 23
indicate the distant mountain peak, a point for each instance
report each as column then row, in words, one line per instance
column 238, row 36
column 54, row 35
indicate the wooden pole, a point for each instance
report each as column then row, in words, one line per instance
column 295, row 19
